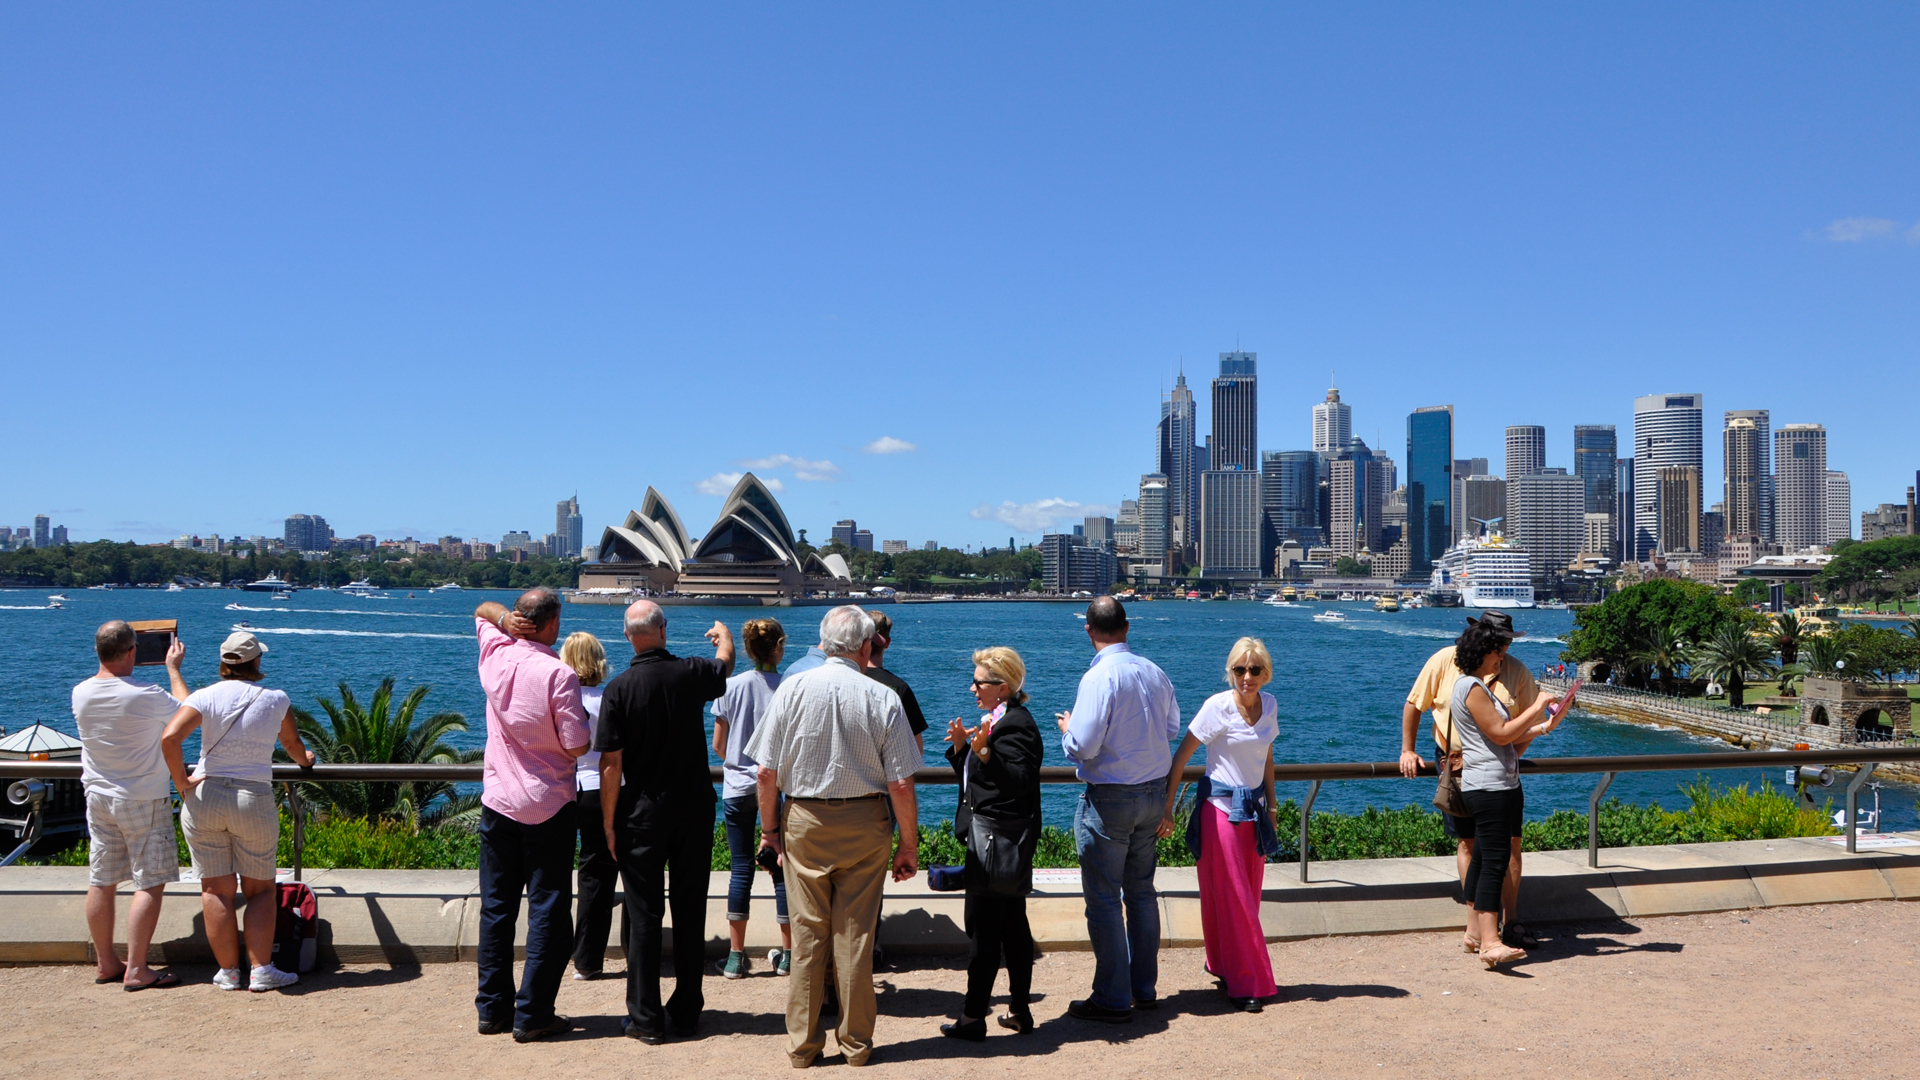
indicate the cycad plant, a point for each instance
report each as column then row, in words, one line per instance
column 380, row 733
column 1732, row 655
column 1664, row 651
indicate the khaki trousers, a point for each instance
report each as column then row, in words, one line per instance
column 838, row 855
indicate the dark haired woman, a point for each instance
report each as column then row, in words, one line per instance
column 1491, row 741
column 734, row 717
column 227, row 808
column 999, row 762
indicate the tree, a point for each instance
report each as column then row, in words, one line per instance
column 1624, row 624
column 1786, row 635
column 1732, row 655
column 377, row 733
column 1878, row 652
column 1348, row 566
column 1828, row 655
column 1664, row 651
column 1872, row 568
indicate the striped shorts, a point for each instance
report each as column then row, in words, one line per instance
column 232, row 827
column 130, row 840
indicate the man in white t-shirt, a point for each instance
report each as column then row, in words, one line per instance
column 129, row 800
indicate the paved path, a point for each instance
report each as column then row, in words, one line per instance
column 1785, row 992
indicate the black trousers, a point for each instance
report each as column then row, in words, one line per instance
column 515, row 856
column 1497, row 816
column 677, row 841
column 599, row 881
column 997, row 924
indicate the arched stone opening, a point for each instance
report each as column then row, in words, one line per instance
column 1819, row 716
column 1873, row 724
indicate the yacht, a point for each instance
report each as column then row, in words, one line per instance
column 362, row 588
column 1330, row 615
column 1274, row 600
column 271, row 583
column 58, row 596
column 1484, row 571
column 451, row 586
column 174, row 586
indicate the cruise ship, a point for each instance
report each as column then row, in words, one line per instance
column 1485, row 571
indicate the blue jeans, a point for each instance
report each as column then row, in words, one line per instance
column 539, row 859
column 742, row 815
column 1115, row 827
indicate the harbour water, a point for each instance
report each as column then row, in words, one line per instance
column 1339, row 685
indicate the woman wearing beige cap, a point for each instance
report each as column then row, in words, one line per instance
column 227, row 808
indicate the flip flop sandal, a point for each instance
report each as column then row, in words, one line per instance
column 164, row 981
column 98, row 981
column 1520, row 937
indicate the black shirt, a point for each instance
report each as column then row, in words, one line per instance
column 908, row 703
column 654, row 713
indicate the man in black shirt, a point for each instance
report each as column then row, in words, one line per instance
column 652, row 740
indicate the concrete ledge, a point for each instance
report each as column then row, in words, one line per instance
column 407, row 918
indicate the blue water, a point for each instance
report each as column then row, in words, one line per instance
column 1339, row 686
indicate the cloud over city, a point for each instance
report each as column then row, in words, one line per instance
column 803, row 469
column 1860, row 230
column 720, row 483
column 1038, row 516
column 887, row 444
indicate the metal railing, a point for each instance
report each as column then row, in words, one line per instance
column 1314, row 775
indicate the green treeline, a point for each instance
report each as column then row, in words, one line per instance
column 105, row 562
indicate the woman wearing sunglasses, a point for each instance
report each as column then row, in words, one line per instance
column 1232, row 828
column 1000, row 763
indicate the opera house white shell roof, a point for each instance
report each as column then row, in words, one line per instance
column 751, row 530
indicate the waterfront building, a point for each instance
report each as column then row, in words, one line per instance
column 1098, row 530
column 1547, row 515
column 307, row 532
column 1289, row 497
column 1358, row 483
column 893, row 547
column 1666, row 431
column 1741, row 551
column 569, row 526
column 519, row 540
column 481, row 550
column 1888, row 520
column 1679, row 508
column 749, row 552
column 1483, row 501
column 1462, row 469
column 1068, row 564
column 1747, row 456
column 1126, row 528
column 843, row 531
column 1596, row 461
column 1235, row 415
column 1155, row 522
column 1230, row 523
column 1526, row 450
column 1623, row 531
column 1391, row 564
column 450, row 544
column 1429, row 489
column 863, row 540
column 1598, row 535
column 42, row 534
column 1393, row 515
column 1332, row 426
column 1800, row 486
column 58, row 536
column 1174, row 459
column 1713, row 530
column 1839, row 508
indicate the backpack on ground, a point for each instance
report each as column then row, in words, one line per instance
column 296, row 930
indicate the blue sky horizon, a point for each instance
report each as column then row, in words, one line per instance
column 429, row 270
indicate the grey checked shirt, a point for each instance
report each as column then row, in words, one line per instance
column 833, row 733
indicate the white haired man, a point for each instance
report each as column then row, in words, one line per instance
column 837, row 744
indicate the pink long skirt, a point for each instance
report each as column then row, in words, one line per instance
column 1231, row 873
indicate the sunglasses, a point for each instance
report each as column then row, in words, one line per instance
column 1254, row 670
column 978, row 683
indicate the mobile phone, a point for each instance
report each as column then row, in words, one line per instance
column 1566, row 701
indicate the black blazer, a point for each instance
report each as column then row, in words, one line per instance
column 1006, row 785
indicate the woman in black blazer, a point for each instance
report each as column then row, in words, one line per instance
column 1000, row 760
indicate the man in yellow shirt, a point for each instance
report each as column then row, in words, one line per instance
column 1433, row 690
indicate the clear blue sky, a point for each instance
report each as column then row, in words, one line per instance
column 427, row 269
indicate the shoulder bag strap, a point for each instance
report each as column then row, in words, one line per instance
column 206, row 749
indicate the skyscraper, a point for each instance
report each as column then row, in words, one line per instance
column 1800, row 486
column 1679, row 508
column 1839, row 507
column 569, row 526
column 1596, row 454
column 843, row 531
column 1429, row 485
column 1174, row 460
column 1236, row 414
column 1230, row 523
column 1666, row 431
column 307, row 532
column 1289, row 482
column 1332, row 425
column 1547, row 513
column 1526, row 450
column 41, row 536
column 1155, row 523
column 1744, row 453
column 1358, row 484
column 1483, row 503
column 1762, row 422
column 1463, row 468
column 1623, row 529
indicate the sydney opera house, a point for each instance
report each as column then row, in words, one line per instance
column 749, row 554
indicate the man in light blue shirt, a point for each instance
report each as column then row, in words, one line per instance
column 814, row 657
column 1119, row 738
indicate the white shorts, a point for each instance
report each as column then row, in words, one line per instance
column 232, row 827
column 131, row 840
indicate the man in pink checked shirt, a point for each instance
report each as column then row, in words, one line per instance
column 536, row 727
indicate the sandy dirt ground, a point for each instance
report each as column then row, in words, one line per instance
column 1790, row 992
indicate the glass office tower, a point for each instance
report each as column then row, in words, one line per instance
column 1429, row 485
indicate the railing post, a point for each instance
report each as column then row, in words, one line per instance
column 299, row 831
column 1306, row 816
column 1593, row 819
column 1853, row 804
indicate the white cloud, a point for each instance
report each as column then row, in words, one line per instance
column 1040, row 516
column 722, row 482
column 887, row 444
column 1854, row 230
column 802, row 468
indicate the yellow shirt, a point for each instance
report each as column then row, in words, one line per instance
column 1513, row 684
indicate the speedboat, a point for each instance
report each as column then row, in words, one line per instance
column 174, row 586
column 243, row 625
column 451, row 586
column 235, row 607
column 282, row 596
column 1330, row 616
column 55, row 604
column 1347, row 598
column 56, row 596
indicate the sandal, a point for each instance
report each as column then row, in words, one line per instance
column 1519, row 937
column 1501, row 954
column 1470, row 943
column 165, row 980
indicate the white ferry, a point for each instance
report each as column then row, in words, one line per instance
column 1485, row 571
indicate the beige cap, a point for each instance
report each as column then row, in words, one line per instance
column 241, row 647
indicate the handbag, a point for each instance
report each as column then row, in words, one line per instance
column 1447, row 798
column 1000, row 849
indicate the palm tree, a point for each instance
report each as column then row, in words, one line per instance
column 1827, row 655
column 1787, row 635
column 1730, row 656
column 1664, row 651
column 378, row 733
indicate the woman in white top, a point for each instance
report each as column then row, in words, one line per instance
column 227, row 807
column 1233, row 823
column 599, row 870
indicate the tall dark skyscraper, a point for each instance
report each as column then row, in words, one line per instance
column 1174, row 460
column 1596, row 456
column 1235, row 442
column 1761, row 467
column 1624, row 522
column 1429, row 485
column 1289, row 500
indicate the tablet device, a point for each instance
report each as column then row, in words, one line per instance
column 1566, row 699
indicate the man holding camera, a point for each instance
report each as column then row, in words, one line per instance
column 129, row 800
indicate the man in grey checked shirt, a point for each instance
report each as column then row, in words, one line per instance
column 837, row 744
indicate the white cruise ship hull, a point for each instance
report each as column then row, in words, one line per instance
column 1498, row 597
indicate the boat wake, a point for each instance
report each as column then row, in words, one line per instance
column 349, row 611
column 29, row 607
column 303, row 631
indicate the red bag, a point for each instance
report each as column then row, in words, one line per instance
column 296, row 929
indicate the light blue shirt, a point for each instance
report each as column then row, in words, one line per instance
column 1125, row 719
column 814, row 658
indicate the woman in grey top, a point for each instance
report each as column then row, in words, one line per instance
column 1491, row 742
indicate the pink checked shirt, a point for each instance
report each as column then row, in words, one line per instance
column 533, row 715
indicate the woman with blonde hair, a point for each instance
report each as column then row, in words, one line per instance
column 599, row 869
column 1232, row 827
column 734, row 718
column 999, row 763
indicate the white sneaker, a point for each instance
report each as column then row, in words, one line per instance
column 271, row 978
column 228, row 979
